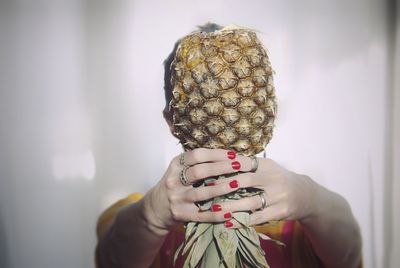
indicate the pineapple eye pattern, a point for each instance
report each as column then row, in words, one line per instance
column 223, row 91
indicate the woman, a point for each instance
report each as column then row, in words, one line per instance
column 316, row 225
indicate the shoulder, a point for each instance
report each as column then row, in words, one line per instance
column 296, row 251
column 108, row 215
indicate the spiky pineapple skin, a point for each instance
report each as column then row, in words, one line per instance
column 223, row 92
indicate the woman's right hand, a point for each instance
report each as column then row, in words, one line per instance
column 170, row 202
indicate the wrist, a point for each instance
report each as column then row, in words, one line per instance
column 316, row 203
column 151, row 218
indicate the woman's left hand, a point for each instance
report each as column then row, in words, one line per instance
column 288, row 196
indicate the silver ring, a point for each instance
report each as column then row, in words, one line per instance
column 263, row 201
column 183, row 178
column 254, row 164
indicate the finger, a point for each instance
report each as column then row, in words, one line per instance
column 205, row 193
column 245, row 179
column 258, row 218
column 202, row 155
column 260, row 180
column 271, row 213
column 206, row 170
column 190, row 212
column 210, row 216
column 233, row 223
column 246, row 162
column 245, row 204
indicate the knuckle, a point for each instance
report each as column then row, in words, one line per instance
column 201, row 151
column 173, row 200
column 195, row 172
column 197, row 153
column 194, row 155
column 169, row 183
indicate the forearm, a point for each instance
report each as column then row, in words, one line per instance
column 333, row 230
column 130, row 241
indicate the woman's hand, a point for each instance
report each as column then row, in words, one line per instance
column 171, row 202
column 289, row 196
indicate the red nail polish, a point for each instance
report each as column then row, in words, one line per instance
column 215, row 208
column 228, row 224
column 228, row 215
column 235, row 165
column 234, row 184
column 211, row 184
column 231, row 155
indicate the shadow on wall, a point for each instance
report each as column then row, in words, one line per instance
column 3, row 243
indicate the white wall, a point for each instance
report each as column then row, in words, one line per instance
column 46, row 215
column 81, row 99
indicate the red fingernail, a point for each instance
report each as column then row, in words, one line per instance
column 234, row 184
column 228, row 224
column 231, row 155
column 210, row 183
column 215, row 208
column 228, row 215
column 235, row 165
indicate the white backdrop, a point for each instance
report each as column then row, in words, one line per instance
column 81, row 95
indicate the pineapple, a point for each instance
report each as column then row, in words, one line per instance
column 223, row 92
column 223, row 97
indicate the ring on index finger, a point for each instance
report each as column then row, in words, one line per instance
column 183, row 177
column 254, row 163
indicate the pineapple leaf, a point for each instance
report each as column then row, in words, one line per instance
column 211, row 257
column 190, row 229
column 177, row 252
column 266, row 237
column 242, row 217
column 252, row 253
column 202, row 244
column 201, row 228
column 251, row 248
column 245, row 255
column 227, row 241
